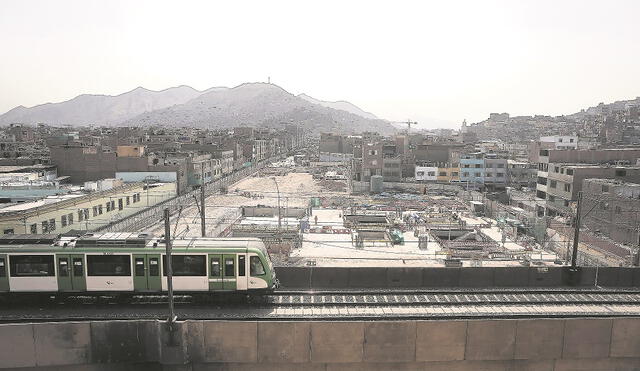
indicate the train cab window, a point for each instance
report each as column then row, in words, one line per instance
column 108, row 265
column 241, row 265
column 78, row 267
column 3, row 268
column 32, row 266
column 256, row 268
column 63, row 267
column 154, row 267
column 187, row 265
column 229, row 270
column 215, row 267
column 139, row 263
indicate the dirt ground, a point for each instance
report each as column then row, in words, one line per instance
column 295, row 191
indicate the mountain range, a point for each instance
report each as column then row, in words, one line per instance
column 247, row 104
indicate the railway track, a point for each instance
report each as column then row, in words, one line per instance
column 335, row 305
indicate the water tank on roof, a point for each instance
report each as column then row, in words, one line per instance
column 377, row 185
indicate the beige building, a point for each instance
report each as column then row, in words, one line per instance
column 82, row 211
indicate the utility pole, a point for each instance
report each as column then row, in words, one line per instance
column 169, row 270
column 203, row 229
column 576, row 233
column 278, row 190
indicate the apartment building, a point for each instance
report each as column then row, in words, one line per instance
column 564, row 181
column 495, row 172
column 611, row 208
column 472, row 170
column 80, row 210
column 549, row 159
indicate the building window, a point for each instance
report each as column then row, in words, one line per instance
column 120, row 204
column 63, row 221
column 128, row 200
column 52, row 225
column 443, row 173
column 500, row 175
column 99, row 209
column 455, row 173
column 8, row 231
column 108, row 205
column 569, row 171
column 553, row 183
column 478, row 166
column 45, row 227
column 478, row 174
column 618, row 210
column 34, row 228
column 70, row 219
column 465, row 174
column 500, row 166
column 113, row 205
column 80, row 215
column 567, row 187
column 95, row 211
column 86, row 214
column 621, row 173
column 605, row 188
column 489, row 175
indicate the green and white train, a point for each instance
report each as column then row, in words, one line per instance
column 129, row 263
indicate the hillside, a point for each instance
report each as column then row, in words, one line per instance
column 100, row 109
column 257, row 104
column 340, row 105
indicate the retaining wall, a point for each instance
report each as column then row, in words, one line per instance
column 335, row 278
column 537, row 344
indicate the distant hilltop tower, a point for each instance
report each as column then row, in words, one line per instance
column 464, row 126
column 269, row 80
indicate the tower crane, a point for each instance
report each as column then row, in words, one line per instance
column 408, row 123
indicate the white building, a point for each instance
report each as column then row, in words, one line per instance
column 426, row 173
column 562, row 141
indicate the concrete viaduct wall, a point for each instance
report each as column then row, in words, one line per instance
column 341, row 278
column 538, row 344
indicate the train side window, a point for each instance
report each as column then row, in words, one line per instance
column 3, row 268
column 187, row 265
column 215, row 267
column 241, row 265
column 63, row 267
column 256, row 268
column 108, row 265
column 32, row 266
column 139, row 266
column 154, row 267
column 78, row 267
column 229, row 270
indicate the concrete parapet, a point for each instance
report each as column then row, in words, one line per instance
column 441, row 340
column 62, row 343
column 390, row 341
column 284, row 342
column 228, row 341
column 587, row 338
column 337, row 342
column 490, row 340
column 539, row 339
column 531, row 344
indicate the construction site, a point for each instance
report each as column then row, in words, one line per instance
column 308, row 217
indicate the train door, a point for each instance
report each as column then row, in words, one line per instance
column 4, row 279
column 215, row 272
column 146, row 272
column 71, row 273
column 229, row 272
column 241, row 280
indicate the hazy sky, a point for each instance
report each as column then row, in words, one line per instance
column 441, row 61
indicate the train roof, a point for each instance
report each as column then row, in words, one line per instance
column 126, row 241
